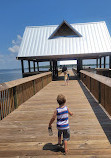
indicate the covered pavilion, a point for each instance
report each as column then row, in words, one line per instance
column 65, row 42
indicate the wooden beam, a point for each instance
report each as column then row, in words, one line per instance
column 65, row 57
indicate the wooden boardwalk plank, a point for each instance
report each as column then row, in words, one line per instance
column 24, row 132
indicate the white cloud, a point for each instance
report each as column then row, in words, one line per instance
column 8, row 61
column 13, row 42
column 14, row 49
column 68, row 62
column 15, row 45
column 19, row 37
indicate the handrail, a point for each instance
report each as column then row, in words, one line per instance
column 10, row 84
column 99, row 86
column 104, row 71
column 102, row 79
column 74, row 71
column 14, row 93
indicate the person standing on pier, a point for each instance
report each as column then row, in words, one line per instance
column 64, row 68
column 65, row 77
column 62, row 121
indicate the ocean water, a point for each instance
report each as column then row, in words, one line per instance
column 10, row 74
column 7, row 75
column 13, row 74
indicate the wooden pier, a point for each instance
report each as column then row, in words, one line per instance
column 24, row 132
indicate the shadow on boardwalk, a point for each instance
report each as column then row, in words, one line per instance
column 53, row 147
column 103, row 119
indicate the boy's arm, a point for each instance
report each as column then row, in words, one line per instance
column 53, row 118
column 70, row 113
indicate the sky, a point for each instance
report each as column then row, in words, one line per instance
column 15, row 15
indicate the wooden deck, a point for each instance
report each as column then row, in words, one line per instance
column 23, row 133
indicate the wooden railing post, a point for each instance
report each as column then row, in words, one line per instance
column 34, row 86
column 1, row 105
column 90, row 84
column 15, row 97
column 99, row 91
column 42, row 81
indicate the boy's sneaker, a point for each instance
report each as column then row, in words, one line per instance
column 50, row 131
column 61, row 144
column 58, row 145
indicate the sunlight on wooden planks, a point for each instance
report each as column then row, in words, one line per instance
column 24, row 132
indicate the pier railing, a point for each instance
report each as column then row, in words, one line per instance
column 14, row 93
column 99, row 86
column 74, row 70
column 104, row 72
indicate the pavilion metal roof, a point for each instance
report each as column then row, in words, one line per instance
column 94, row 40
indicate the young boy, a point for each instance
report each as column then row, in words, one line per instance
column 62, row 121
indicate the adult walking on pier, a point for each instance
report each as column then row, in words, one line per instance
column 64, row 68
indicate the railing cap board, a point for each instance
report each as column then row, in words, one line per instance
column 102, row 69
column 74, row 68
column 100, row 78
column 10, row 84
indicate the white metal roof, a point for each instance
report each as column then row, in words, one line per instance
column 95, row 39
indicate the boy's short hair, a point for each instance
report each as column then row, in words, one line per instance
column 61, row 99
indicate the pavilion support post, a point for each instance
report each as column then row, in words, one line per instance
column 96, row 63
column 29, row 65
column 34, row 65
column 109, row 62
column 22, row 64
column 79, row 66
column 100, row 63
column 104, row 62
column 51, row 66
column 38, row 66
column 55, row 70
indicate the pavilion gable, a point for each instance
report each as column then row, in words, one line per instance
column 65, row 30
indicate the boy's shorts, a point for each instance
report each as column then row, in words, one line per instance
column 66, row 134
column 68, row 75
